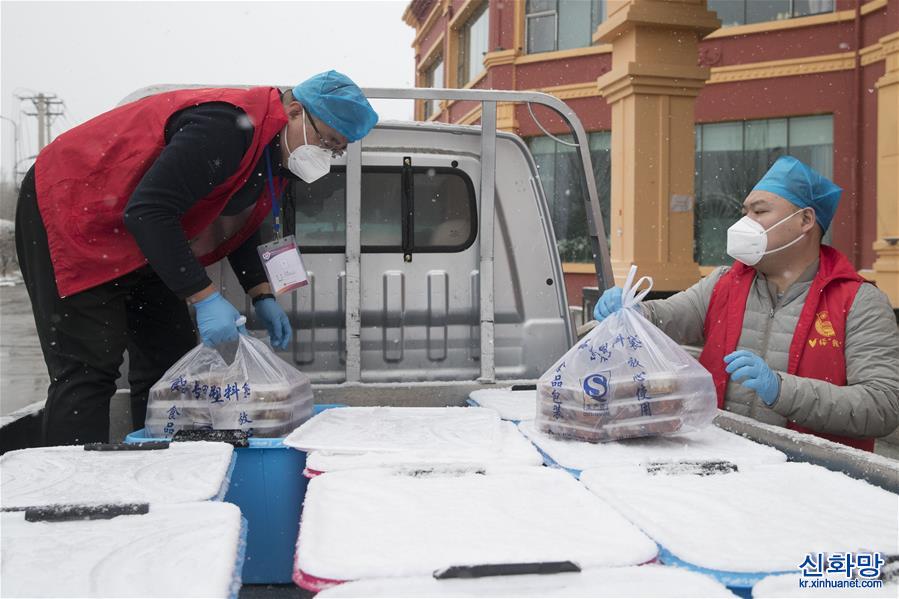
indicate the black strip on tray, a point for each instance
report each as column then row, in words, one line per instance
column 66, row 513
column 700, row 468
column 142, row 446
column 235, row 437
column 506, row 569
column 531, row 387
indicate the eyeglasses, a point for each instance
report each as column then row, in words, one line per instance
column 326, row 143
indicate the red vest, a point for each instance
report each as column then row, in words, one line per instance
column 817, row 348
column 86, row 176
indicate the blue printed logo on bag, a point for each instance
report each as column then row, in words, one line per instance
column 596, row 390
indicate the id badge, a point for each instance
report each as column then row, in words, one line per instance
column 283, row 264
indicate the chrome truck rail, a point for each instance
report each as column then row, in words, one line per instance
column 488, row 100
column 799, row 447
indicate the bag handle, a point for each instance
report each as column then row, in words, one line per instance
column 630, row 293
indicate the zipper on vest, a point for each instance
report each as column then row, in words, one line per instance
column 753, row 410
column 767, row 337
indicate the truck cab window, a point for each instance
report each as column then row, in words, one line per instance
column 444, row 219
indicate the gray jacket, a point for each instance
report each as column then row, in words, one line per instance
column 868, row 406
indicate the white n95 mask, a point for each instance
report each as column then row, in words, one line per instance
column 308, row 162
column 747, row 240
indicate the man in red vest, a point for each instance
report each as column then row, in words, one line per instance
column 119, row 216
column 792, row 335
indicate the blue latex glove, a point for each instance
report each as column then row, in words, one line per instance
column 609, row 302
column 216, row 319
column 276, row 321
column 750, row 370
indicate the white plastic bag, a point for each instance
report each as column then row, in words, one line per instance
column 625, row 379
column 257, row 392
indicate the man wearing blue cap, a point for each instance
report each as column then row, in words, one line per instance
column 119, row 216
column 792, row 335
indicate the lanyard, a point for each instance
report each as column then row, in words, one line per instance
column 276, row 208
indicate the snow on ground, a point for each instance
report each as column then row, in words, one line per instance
column 633, row 581
column 185, row 550
column 66, row 475
column 462, row 431
column 11, row 279
column 376, row 523
column 514, row 450
column 511, row 405
column 764, row 518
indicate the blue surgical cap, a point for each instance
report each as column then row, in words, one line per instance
column 803, row 186
column 332, row 97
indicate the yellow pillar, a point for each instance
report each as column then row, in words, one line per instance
column 652, row 88
column 886, row 245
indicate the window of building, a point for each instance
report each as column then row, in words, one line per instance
column 444, row 211
column 742, row 12
column 732, row 157
column 472, row 47
column 562, row 24
column 433, row 77
column 563, row 184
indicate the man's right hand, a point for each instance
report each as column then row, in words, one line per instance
column 609, row 303
column 216, row 319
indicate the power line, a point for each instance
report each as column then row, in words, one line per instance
column 46, row 108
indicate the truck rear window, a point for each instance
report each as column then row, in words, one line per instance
column 444, row 211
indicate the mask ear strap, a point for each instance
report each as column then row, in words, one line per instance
column 786, row 218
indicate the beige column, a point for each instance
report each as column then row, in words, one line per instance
column 886, row 245
column 652, row 88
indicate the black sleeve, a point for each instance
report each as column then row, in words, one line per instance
column 246, row 264
column 205, row 146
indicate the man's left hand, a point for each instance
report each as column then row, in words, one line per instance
column 276, row 321
column 751, row 371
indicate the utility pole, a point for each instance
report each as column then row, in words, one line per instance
column 45, row 106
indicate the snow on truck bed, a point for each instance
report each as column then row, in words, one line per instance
column 70, row 475
column 764, row 518
column 375, row 523
column 511, row 405
column 709, row 444
column 183, row 550
column 463, row 431
column 514, row 451
column 630, row 581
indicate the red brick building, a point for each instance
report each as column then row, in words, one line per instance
column 817, row 79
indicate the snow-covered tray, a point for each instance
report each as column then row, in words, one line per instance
column 515, row 450
column 378, row 523
column 709, row 444
column 743, row 526
column 629, row 581
column 70, row 475
column 790, row 585
column 511, row 405
column 183, row 550
column 347, row 430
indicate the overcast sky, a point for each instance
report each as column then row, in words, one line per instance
column 93, row 54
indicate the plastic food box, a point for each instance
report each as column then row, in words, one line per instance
column 269, row 487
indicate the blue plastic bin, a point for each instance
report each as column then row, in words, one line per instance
column 268, row 486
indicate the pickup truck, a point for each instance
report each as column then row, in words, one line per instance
column 433, row 271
